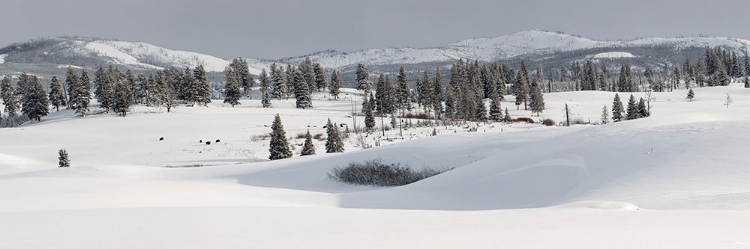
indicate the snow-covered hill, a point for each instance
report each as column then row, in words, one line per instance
column 80, row 51
column 532, row 42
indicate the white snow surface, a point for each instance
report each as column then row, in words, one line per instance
column 611, row 55
column 2, row 58
column 677, row 179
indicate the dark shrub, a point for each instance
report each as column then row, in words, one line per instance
column 319, row 137
column 524, row 120
column 416, row 116
column 548, row 122
column 377, row 173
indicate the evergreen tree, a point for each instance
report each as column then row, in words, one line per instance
column 278, row 146
column 82, row 93
column 308, row 148
column 481, row 111
column 518, row 91
column 691, row 94
column 369, row 118
column 56, row 94
column 35, row 103
column 290, row 75
column 141, row 89
column 403, row 90
column 605, row 115
column 63, row 160
column 746, row 81
column 23, row 86
column 334, row 144
column 200, row 87
column 232, row 92
column 242, row 75
column 320, row 77
column 301, row 94
column 363, row 78
column 617, row 109
column 9, row 97
column 153, row 92
column 308, row 71
column 437, row 93
column 188, row 92
column 507, row 115
column 642, row 109
column 122, row 97
column 336, row 83
column 279, row 82
column 633, row 112
column 496, row 111
column 264, row 84
column 537, row 99
column 71, row 81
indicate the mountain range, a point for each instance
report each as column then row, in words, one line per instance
column 49, row 56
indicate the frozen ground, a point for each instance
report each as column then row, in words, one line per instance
column 675, row 180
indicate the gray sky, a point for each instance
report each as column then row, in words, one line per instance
column 279, row 28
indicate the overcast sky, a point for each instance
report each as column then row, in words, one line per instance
column 273, row 29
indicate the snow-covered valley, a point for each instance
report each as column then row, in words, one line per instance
column 677, row 179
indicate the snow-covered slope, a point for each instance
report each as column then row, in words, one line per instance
column 78, row 50
column 675, row 179
column 503, row 47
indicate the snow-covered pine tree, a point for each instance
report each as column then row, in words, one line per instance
column 334, row 144
column 290, row 75
column 301, row 93
column 369, row 118
column 450, row 102
column 426, row 93
column 56, row 94
column 202, row 88
column 617, row 109
column 122, row 98
column 278, row 146
column 642, row 109
column 308, row 148
column 633, row 112
column 605, row 115
column 507, row 117
column 35, row 103
column 403, row 90
column 9, row 97
column 320, row 77
column 63, row 161
column 22, row 87
column 336, row 82
column 279, row 82
column 496, row 111
column 130, row 82
column 437, row 94
column 518, row 91
column 480, row 113
column 264, row 89
column 232, row 92
column 537, row 99
column 141, row 89
column 188, row 92
column 153, row 97
column 691, row 94
column 363, row 78
column 71, row 80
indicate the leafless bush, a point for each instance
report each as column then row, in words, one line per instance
column 261, row 137
column 548, row 122
column 377, row 173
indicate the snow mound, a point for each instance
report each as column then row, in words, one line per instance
column 603, row 205
column 612, row 55
column 2, row 58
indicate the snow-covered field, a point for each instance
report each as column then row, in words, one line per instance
column 678, row 179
